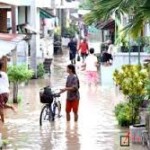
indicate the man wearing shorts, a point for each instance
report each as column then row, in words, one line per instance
column 72, row 50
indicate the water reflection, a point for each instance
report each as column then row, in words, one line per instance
column 72, row 137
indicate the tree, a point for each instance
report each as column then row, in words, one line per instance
column 18, row 74
column 139, row 10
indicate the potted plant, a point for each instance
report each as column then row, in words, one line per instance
column 131, row 79
column 18, row 74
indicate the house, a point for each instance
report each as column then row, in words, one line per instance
column 27, row 12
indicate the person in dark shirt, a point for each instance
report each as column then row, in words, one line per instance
column 73, row 96
column 72, row 50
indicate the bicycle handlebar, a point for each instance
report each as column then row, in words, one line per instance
column 56, row 95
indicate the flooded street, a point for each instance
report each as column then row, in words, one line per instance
column 96, row 129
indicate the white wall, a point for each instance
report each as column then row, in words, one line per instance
column 21, row 15
column 147, row 30
column 44, row 3
column 17, row 2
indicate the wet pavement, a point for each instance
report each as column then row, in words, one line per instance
column 96, row 129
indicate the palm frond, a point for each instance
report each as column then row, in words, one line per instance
column 135, row 27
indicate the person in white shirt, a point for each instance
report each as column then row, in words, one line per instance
column 4, row 92
column 91, row 64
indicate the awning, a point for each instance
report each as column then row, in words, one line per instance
column 45, row 14
column 28, row 27
column 8, row 42
column 106, row 25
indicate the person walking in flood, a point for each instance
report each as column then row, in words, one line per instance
column 72, row 50
column 4, row 92
column 91, row 65
column 72, row 89
column 83, row 49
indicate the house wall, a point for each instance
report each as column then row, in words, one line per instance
column 147, row 30
column 35, row 41
column 3, row 20
column 21, row 15
column 17, row 2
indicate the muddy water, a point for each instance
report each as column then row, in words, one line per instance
column 96, row 129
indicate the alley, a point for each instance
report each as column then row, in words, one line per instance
column 96, row 129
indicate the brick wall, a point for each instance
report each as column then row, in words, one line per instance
column 3, row 20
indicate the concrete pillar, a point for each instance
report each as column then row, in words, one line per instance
column 14, row 31
column 13, row 16
column 35, row 41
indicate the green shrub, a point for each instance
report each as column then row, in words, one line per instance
column 118, row 108
column 70, row 31
column 131, row 79
column 123, row 114
column 40, row 70
column 18, row 74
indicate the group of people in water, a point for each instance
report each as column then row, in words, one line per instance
column 82, row 49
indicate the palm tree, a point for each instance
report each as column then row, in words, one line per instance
column 139, row 10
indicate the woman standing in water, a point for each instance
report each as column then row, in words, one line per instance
column 73, row 96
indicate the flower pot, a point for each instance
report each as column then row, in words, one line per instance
column 136, row 133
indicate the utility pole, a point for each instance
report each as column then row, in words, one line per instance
column 61, row 17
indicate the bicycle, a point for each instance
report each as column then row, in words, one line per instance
column 52, row 105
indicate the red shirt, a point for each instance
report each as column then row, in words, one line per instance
column 83, row 47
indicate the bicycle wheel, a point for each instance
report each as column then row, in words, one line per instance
column 46, row 114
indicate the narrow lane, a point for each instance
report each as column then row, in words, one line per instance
column 96, row 129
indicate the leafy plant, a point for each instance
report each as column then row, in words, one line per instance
column 147, row 88
column 70, row 31
column 18, row 74
column 138, row 11
column 123, row 113
column 132, row 81
column 40, row 70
